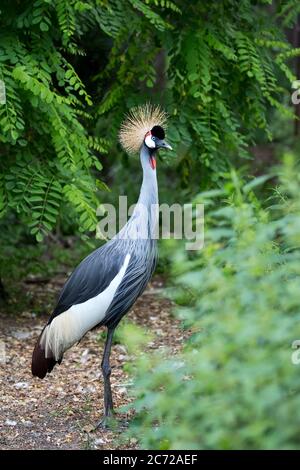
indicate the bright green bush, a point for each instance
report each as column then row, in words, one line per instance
column 234, row 386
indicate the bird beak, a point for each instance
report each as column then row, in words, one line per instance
column 163, row 144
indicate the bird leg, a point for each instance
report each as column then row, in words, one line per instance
column 106, row 371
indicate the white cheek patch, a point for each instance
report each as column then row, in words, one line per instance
column 149, row 142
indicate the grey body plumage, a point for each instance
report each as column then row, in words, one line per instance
column 98, row 269
column 105, row 285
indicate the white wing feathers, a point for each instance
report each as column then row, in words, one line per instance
column 70, row 326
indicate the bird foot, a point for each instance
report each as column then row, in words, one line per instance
column 110, row 423
column 106, row 423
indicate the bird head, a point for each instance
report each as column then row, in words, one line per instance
column 143, row 125
column 154, row 140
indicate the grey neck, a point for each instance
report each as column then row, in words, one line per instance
column 143, row 223
column 149, row 191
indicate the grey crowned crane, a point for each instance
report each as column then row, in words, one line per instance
column 106, row 284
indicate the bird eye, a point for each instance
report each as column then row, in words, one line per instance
column 153, row 138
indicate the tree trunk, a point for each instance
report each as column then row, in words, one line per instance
column 3, row 293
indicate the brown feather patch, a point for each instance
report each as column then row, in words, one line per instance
column 40, row 364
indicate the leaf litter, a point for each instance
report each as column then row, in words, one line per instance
column 60, row 412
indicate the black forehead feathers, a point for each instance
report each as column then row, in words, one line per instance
column 158, row 132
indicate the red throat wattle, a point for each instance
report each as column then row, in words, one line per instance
column 153, row 162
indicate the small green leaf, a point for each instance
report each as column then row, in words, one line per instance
column 44, row 26
column 39, row 237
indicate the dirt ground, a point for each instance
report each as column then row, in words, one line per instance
column 60, row 411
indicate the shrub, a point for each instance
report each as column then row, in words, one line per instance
column 234, row 386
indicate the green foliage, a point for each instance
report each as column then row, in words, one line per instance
column 46, row 153
column 218, row 67
column 40, row 261
column 217, row 73
column 234, row 386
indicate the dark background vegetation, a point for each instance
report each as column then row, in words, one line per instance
column 223, row 71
